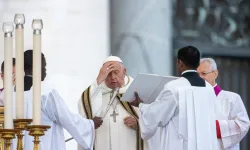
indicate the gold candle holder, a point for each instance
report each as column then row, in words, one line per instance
column 21, row 125
column 8, row 135
column 1, row 127
column 36, row 131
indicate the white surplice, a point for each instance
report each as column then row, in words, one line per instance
column 186, row 122
column 56, row 114
column 233, row 119
column 154, row 143
column 111, row 135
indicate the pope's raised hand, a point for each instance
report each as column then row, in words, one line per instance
column 104, row 71
column 97, row 121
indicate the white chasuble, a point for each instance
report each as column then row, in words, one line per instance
column 113, row 134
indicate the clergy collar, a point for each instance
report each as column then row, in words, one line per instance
column 28, row 76
column 215, row 85
column 188, row 71
column 217, row 89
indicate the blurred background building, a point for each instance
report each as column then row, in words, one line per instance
column 221, row 30
column 147, row 34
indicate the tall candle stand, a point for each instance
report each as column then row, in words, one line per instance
column 37, row 131
column 21, row 125
column 8, row 135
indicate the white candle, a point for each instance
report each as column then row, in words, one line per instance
column 8, row 89
column 19, row 21
column 37, row 26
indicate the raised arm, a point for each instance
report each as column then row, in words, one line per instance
column 156, row 114
column 80, row 128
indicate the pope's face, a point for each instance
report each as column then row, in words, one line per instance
column 205, row 72
column 115, row 78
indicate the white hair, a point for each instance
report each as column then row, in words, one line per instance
column 213, row 65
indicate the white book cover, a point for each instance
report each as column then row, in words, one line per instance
column 148, row 87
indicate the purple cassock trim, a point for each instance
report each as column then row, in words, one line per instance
column 1, row 90
column 217, row 89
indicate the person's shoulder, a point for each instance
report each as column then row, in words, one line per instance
column 178, row 82
column 231, row 94
column 46, row 88
column 131, row 79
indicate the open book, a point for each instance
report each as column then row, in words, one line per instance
column 148, row 87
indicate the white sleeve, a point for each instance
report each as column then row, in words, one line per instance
column 233, row 130
column 157, row 114
column 95, row 89
column 80, row 128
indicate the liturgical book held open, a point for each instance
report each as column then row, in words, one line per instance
column 148, row 87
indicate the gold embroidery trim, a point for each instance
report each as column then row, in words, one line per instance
column 87, row 103
column 131, row 110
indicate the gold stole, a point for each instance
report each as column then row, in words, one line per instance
column 86, row 103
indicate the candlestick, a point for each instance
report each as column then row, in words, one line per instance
column 1, row 127
column 8, row 90
column 36, row 131
column 8, row 135
column 37, row 26
column 20, row 125
column 19, row 21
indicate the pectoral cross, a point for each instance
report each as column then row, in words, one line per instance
column 114, row 114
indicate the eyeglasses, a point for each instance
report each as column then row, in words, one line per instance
column 205, row 73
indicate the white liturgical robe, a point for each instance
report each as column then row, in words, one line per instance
column 233, row 119
column 185, row 116
column 56, row 114
column 154, row 143
column 112, row 135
